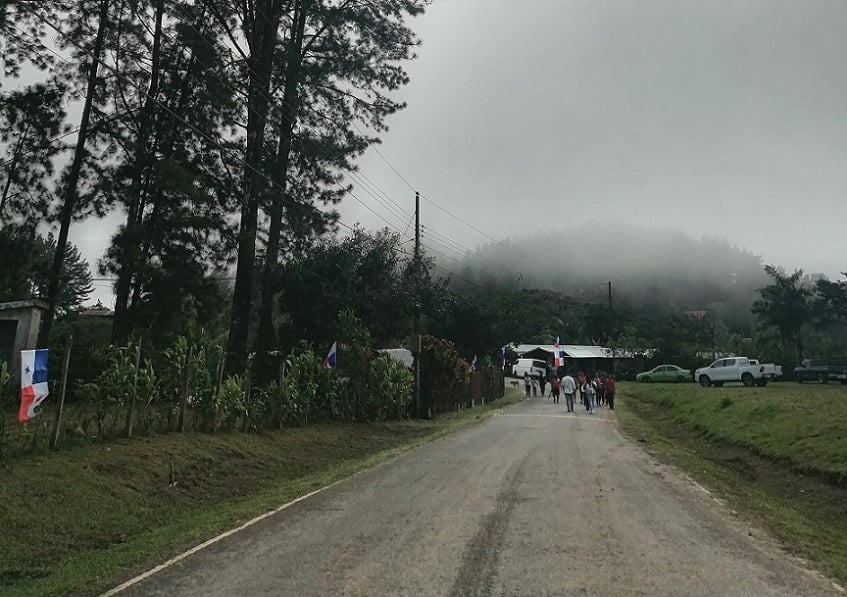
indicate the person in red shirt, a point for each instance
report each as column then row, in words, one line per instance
column 555, row 388
column 609, row 386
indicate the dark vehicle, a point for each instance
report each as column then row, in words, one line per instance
column 822, row 370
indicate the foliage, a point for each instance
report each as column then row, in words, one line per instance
column 310, row 391
column 27, row 276
column 361, row 274
column 30, row 121
column 353, row 362
column 785, row 305
column 444, row 375
column 229, row 403
column 390, row 386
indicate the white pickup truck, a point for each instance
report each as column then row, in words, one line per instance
column 748, row 371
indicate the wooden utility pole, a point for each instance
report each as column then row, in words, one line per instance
column 417, row 338
column 57, row 422
column 610, row 296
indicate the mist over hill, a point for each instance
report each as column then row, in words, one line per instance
column 654, row 269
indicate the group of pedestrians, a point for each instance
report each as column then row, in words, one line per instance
column 593, row 390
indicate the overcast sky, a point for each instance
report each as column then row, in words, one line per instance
column 722, row 119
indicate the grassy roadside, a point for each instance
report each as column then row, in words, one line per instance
column 73, row 521
column 776, row 454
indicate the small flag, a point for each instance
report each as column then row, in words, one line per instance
column 329, row 361
column 475, row 364
column 503, row 357
column 557, row 354
column 33, row 382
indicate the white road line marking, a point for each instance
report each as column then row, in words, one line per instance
column 213, row 540
column 550, row 416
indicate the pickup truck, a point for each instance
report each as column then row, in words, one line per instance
column 748, row 371
column 822, row 370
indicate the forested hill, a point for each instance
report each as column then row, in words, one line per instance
column 648, row 268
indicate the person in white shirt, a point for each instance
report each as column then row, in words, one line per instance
column 569, row 388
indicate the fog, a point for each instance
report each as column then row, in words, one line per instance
column 648, row 268
column 722, row 119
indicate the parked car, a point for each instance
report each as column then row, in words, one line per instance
column 822, row 370
column 664, row 373
column 535, row 368
column 750, row 372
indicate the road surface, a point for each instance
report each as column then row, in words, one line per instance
column 532, row 501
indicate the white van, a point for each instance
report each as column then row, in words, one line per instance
column 535, row 367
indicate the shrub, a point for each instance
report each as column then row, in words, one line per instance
column 390, row 386
column 444, row 375
column 229, row 407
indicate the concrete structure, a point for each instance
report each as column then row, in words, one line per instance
column 19, row 325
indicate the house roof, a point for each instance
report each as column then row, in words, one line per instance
column 24, row 304
column 573, row 351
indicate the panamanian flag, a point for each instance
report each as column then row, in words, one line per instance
column 557, row 355
column 329, row 360
column 33, row 382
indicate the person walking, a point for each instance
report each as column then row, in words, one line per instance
column 542, row 381
column 590, row 397
column 535, row 386
column 610, row 391
column 569, row 388
column 555, row 388
column 527, row 382
column 580, row 380
column 598, row 383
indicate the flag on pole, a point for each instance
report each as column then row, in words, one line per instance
column 503, row 357
column 33, row 382
column 329, row 361
column 475, row 364
column 558, row 354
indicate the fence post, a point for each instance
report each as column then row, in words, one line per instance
column 57, row 422
column 218, row 383
column 186, row 378
column 132, row 396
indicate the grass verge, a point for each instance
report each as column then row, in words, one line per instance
column 72, row 522
column 775, row 454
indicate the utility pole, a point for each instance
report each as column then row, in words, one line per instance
column 610, row 296
column 417, row 338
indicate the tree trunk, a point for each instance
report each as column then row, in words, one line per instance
column 71, row 187
column 122, row 326
column 266, row 331
column 262, row 47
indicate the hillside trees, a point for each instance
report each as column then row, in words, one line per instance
column 784, row 305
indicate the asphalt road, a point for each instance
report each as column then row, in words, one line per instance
column 532, row 501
